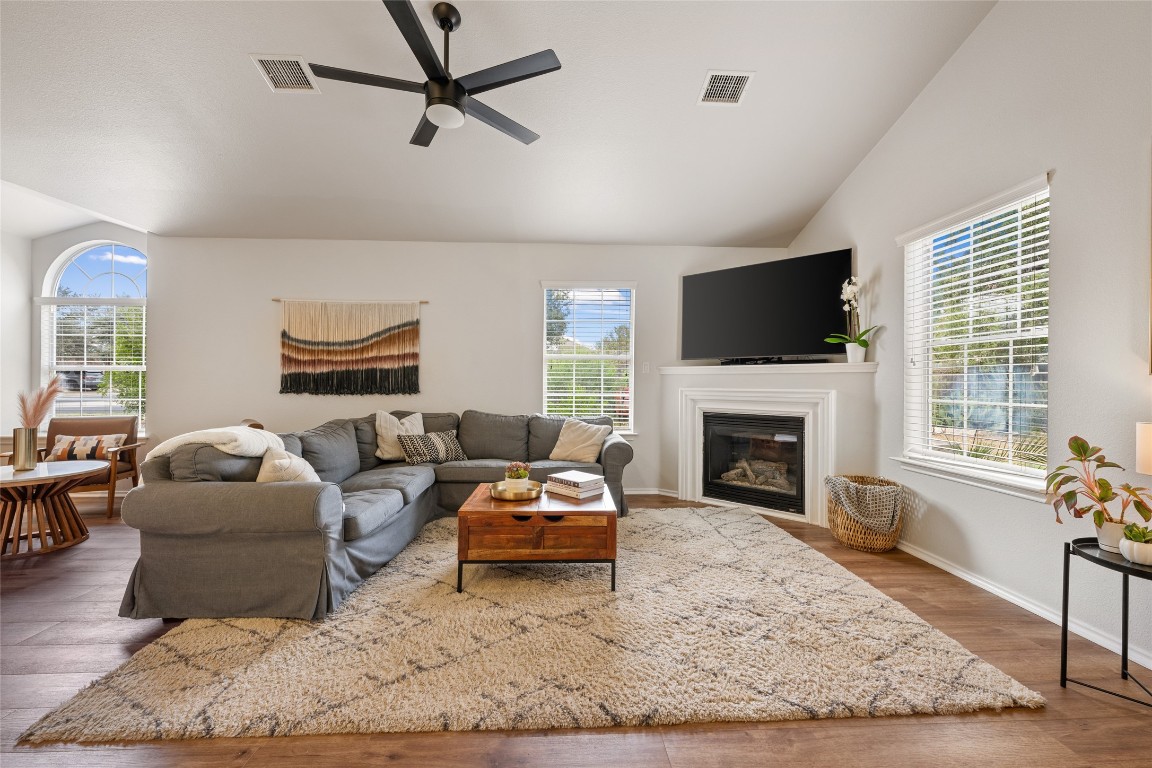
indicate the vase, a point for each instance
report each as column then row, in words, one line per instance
column 516, row 484
column 855, row 353
column 24, row 448
column 1136, row 551
column 1109, row 536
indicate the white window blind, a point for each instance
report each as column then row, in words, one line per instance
column 976, row 338
column 588, row 351
column 93, row 330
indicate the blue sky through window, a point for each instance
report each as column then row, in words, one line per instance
column 596, row 312
column 106, row 271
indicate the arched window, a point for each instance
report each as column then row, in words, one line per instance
column 93, row 333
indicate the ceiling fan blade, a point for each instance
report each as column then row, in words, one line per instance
column 502, row 123
column 363, row 78
column 405, row 17
column 425, row 132
column 510, row 72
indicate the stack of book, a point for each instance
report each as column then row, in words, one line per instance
column 574, row 483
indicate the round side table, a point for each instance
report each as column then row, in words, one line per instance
column 1089, row 550
column 36, row 513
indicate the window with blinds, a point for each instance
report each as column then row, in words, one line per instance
column 93, row 332
column 976, row 338
column 588, row 351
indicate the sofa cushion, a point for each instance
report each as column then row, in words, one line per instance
column 434, row 447
column 365, row 427
column 331, row 450
column 434, row 422
column 579, row 441
column 283, row 467
column 471, row 471
column 410, row 480
column 367, row 511
column 200, row 462
column 388, row 426
column 291, row 443
column 541, row 469
column 493, row 436
column 543, row 432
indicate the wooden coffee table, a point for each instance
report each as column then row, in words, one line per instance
column 36, row 513
column 550, row 529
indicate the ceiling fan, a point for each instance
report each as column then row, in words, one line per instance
column 447, row 99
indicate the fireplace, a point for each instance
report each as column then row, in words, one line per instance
column 755, row 459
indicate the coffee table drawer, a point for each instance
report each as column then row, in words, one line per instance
column 536, row 541
column 533, row 519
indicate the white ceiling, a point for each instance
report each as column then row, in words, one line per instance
column 153, row 114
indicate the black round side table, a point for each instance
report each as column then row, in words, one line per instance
column 1089, row 549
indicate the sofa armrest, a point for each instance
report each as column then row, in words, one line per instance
column 208, row 508
column 614, row 456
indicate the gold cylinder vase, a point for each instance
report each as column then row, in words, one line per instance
column 24, row 448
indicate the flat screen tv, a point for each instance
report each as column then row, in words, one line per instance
column 763, row 312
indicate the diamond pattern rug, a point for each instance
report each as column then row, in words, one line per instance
column 719, row 616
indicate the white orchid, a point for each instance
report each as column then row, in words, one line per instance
column 850, row 295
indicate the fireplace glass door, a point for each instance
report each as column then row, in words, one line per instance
column 755, row 459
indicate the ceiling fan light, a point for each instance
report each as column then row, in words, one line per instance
column 445, row 115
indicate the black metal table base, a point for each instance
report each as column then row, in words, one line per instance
column 460, row 567
column 1089, row 550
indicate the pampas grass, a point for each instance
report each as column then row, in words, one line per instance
column 34, row 408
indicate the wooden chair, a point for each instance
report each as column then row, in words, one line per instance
column 122, row 463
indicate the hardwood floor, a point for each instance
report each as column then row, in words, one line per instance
column 59, row 630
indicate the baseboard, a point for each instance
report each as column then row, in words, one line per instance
column 1111, row 642
column 650, row 492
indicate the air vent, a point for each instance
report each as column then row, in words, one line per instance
column 285, row 74
column 724, row 87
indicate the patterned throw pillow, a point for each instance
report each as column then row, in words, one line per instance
column 434, row 447
column 86, row 447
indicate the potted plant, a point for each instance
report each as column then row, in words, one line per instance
column 855, row 341
column 1137, row 544
column 1077, row 489
column 516, row 476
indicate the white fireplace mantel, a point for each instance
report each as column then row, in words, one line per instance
column 836, row 401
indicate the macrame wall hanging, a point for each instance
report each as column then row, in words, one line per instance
column 350, row 348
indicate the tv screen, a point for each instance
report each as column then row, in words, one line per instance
column 775, row 309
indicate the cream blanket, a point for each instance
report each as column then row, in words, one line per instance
column 238, row 441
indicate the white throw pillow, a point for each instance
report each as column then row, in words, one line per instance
column 388, row 426
column 580, row 441
column 284, row 467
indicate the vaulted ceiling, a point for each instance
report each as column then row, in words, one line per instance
column 154, row 114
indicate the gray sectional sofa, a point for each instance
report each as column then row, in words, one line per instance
column 215, row 543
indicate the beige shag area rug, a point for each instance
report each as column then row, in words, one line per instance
column 719, row 616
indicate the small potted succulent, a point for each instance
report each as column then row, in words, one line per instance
column 1137, row 544
column 855, row 341
column 1076, row 488
column 516, row 476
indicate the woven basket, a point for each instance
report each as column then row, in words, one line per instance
column 851, row 533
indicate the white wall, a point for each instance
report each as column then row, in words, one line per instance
column 213, row 329
column 1037, row 87
column 15, row 325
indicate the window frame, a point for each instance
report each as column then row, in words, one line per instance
column 597, row 285
column 48, row 301
column 917, row 456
